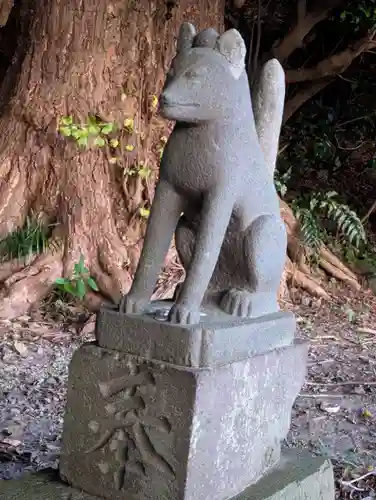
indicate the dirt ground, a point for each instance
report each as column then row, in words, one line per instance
column 334, row 415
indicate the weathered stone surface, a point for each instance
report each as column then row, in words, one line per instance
column 215, row 341
column 162, row 432
column 216, row 190
column 297, row 476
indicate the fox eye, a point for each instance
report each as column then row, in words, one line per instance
column 194, row 73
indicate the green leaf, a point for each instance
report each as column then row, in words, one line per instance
column 144, row 172
column 108, row 128
column 93, row 129
column 100, row 142
column 77, row 133
column 81, row 288
column 92, row 284
column 65, row 131
column 66, row 120
column 81, row 264
column 82, row 141
column 92, row 120
column 60, row 281
column 70, row 288
column 331, row 194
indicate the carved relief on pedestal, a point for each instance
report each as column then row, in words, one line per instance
column 126, row 431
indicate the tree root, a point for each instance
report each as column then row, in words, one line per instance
column 299, row 274
column 13, row 266
column 107, row 262
column 335, row 261
column 26, row 287
column 25, row 283
column 297, row 278
column 340, row 275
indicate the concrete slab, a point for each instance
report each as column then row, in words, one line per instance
column 298, row 476
column 44, row 485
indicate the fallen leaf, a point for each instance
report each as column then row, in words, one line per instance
column 11, row 442
column 21, row 348
column 330, row 408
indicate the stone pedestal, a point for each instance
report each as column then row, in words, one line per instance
column 165, row 412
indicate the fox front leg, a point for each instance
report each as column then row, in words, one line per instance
column 215, row 217
column 165, row 212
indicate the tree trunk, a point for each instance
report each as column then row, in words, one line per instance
column 83, row 58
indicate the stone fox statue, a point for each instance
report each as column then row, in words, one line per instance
column 230, row 238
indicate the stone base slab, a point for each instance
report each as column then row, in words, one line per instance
column 298, row 476
column 157, row 431
column 219, row 339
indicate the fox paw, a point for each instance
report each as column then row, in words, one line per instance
column 132, row 305
column 237, row 303
column 184, row 315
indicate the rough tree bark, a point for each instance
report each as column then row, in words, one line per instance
column 81, row 57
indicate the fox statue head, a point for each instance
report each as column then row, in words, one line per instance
column 200, row 85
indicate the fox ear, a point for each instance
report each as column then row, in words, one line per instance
column 206, row 38
column 186, row 36
column 231, row 45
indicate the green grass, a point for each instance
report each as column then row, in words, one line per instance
column 31, row 239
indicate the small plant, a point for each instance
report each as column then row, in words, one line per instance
column 309, row 210
column 144, row 171
column 350, row 314
column 364, row 259
column 281, row 181
column 310, row 229
column 93, row 133
column 360, row 15
column 31, row 239
column 77, row 285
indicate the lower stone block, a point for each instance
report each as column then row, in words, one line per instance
column 154, row 431
column 44, row 485
column 298, row 476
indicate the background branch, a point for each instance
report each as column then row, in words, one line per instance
column 306, row 21
column 293, row 104
column 333, row 65
column 5, row 8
